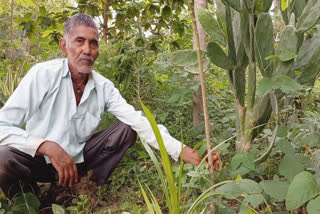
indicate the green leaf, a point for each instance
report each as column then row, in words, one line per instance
column 42, row 11
column 284, row 146
column 276, row 189
column 303, row 188
column 202, row 150
column 211, row 26
column 289, row 167
column 184, row 58
column 307, row 51
column 57, row 209
column 309, row 57
column 46, row 33
column 264, row 44
column 282, row 131
column 235, row 4
column 309, row 17
column 235, row 189
column 284, row 4
column 313, row 206
column 146, row 199
column 173, row 203
column 27, row 198
column 254, row 200
column 265, row 86
column 287, row 55
column 166, row 11
column 218, row 56
column 243, row 159
column 310, row 140
column 288, row 86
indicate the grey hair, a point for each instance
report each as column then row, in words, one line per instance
column 78, row 19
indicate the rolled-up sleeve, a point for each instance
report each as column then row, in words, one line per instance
column 19, row 108
column 116, row 105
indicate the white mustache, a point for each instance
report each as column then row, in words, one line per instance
column 86, row 57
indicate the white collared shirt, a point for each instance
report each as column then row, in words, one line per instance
column 45, row 102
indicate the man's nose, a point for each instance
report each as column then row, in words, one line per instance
column 86, row 48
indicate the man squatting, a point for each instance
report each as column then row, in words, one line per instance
column 61, row 102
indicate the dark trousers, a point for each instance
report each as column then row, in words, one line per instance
column 102, row 152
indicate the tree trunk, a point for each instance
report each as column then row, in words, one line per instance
column 197, row 96
column 105, row 20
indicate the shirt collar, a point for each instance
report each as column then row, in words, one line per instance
column 65, row 68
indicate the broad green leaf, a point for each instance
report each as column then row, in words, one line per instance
column 276, row 189
column 250, row 186
column 27, row 198
column 25, row 3
column 42, row 11
column 235, row 189
column 311, row 70
column 211, row 26
column 218, row 56
column 309, row 17
column 265, row 86
column 282, row 131
column 288, row 86
column 193, row 174
column 284, row 4
column 303, row 188
column 262, row 6
column 194, row 69
column 284, row 146
column 313, row 206
column 235, row 4
column 245, row 159
column 287, row 49
column 184, row 58
column 298, row 7
column 264, row 43
column 57, row 209
column 46, row 33
column 289, row 167
column 287, row 55
column 166, row 11
column 254, row 200
column 310, row 140
column 307, row 51
column 202, row 150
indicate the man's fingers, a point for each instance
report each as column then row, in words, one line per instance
column 71, row 177
column 66, row 177
column 75, row 173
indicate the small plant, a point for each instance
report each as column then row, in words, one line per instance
column 21, row 204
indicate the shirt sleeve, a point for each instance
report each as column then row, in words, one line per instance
column 19, row 108
column 128, row 115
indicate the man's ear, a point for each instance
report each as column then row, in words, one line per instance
column 63, row 46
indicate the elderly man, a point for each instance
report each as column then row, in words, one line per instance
column 61, row 103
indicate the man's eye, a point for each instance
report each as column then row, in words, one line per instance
column 94, row 44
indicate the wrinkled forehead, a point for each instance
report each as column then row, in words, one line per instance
column 82, row 31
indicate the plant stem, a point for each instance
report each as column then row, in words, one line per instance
column 203, row 89
column 250, row 123
column 11, row 23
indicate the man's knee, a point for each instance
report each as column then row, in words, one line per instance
column 128, row 132
column 5, row 159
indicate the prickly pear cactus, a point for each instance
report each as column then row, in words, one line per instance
column 248, row 45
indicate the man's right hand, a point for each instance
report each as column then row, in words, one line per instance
column 61, row 161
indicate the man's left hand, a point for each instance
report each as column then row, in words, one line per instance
column 191, row 156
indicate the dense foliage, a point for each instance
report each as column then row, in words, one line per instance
column 262, row 90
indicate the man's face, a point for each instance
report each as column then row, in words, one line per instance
column 81, row 48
